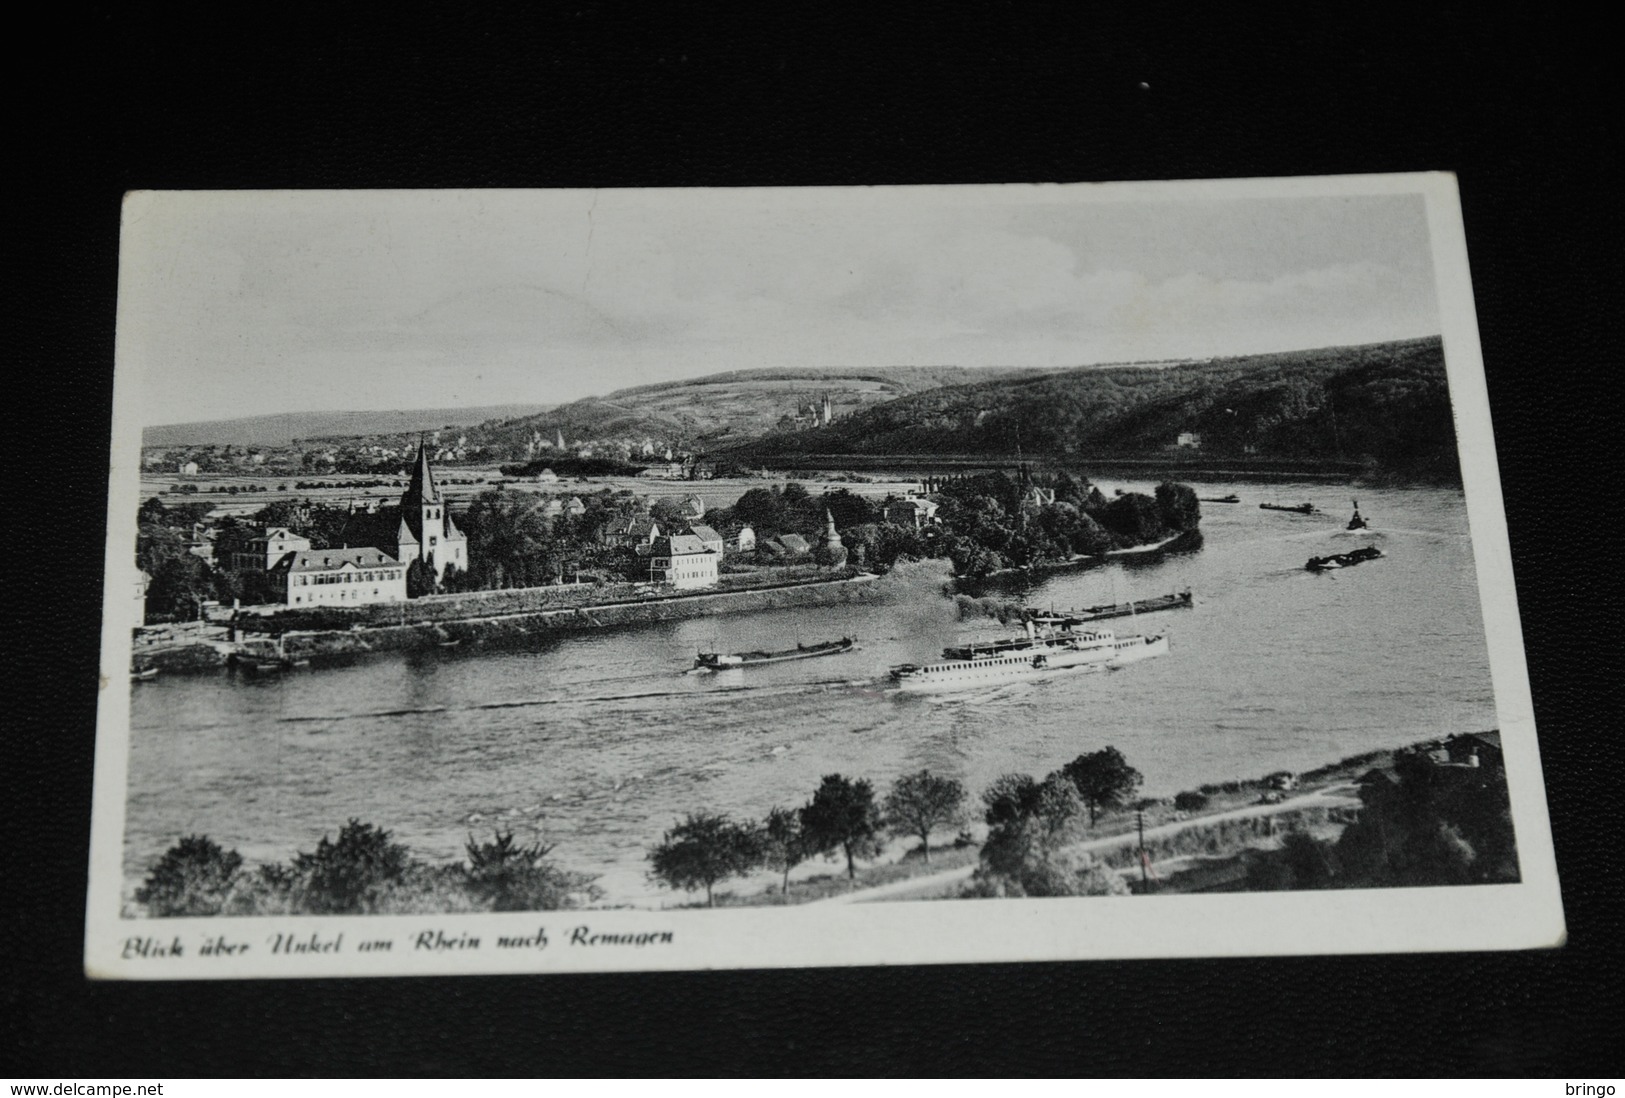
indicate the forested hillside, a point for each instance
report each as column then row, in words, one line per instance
column 740, row 404
column 1387, row 404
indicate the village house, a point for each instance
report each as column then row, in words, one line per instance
column 188, row 468
column 268, row 548
column 784, row 547
column 1188, row 440
column 574, row 507
column 693, row 508
column 337, row 577
column 709, row 538
column 742, row 540
column 911, row 512
column 683, row 562
column 636, row 532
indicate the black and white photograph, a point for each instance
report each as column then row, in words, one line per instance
column 518, row 581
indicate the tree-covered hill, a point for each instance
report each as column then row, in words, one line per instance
column 1386, row 404
column 740, row 404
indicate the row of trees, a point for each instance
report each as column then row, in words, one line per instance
column 1030, row 826
column 363, row 871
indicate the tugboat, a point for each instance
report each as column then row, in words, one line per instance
column 1358, row 522
column 1300, row 509
column 718, row 661
column 1344, row 560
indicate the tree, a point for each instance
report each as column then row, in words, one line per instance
column 920, row 803
column 507, row 876
column 352, row 875
column 420, row 579
column 843, row 814
column 1025, row 853
column 1010, row 798
column 762, row 509
column 704, row 849
column 1133, row 517
column 1104, row 779
column 783, row 845
column 1179, row 506
column 194, row 877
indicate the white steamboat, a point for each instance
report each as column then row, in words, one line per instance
column 1033, row 656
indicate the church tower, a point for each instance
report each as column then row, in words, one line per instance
column 426, row 530
column 831, row 552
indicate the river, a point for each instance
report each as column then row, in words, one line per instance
column 599, row 742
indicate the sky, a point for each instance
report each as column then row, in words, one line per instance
column 249, row 303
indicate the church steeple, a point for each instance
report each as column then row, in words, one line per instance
column 422, row 489
column 427, row 531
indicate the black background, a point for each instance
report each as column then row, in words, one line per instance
column 420, row 95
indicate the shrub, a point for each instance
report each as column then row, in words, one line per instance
column 1190, row 801
column 502, row 875
column 194, row 877
column 349, row 876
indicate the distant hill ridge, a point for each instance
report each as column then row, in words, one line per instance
column 733, row 404
column 283, row 428
column 1384, row 403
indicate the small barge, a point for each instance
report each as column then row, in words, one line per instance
column 1065, row 619
column 1344, row 560
column 1232, row 498
column 1297, row 509
column 718, row 661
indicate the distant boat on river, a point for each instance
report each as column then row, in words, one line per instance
column 1231, row 498
column 1344, row 560
column 718, row 661
column 1358, row 522
column 1298, row 509
column 1182, row 600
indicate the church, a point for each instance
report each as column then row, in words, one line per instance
column 420, row 528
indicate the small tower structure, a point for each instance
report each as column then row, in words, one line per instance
column 831, row 551
column 426, row 530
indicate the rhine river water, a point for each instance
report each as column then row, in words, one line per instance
column 599, row 742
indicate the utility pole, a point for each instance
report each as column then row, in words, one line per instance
column 1139, row 813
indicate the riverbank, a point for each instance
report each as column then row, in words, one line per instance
column 511, row 627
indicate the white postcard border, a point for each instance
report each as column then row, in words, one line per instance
column 1483, row 917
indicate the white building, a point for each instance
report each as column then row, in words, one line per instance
column 683, row 562
column 338, row 577
column 264, row 551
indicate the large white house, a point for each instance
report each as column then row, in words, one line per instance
column 682, row 561
column 337, row 577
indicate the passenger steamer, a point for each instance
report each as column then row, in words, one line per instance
column 1032, row 656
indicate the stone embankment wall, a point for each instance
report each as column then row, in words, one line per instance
column 516, row 628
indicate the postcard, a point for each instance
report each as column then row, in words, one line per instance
column 550, row 581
